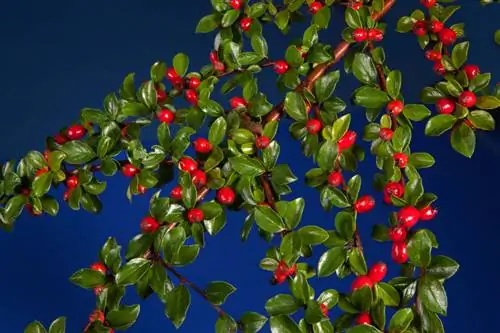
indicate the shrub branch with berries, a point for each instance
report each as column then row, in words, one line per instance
column 238, row 162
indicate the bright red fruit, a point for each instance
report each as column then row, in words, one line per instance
column 433, row 55
column 191, row 96
column 66, row 195
column 386, row 134
column 225, row 195
column 428, row 3
column 335, row 178
column 199, row 178
column 246, row 23
column 419, row 28
column 467, row 98
column 60, row 139
column 346, row 141
column 96, row 315
column 359, row 35
column 438, row 68
column 237, row 103
column 360, row 282
column 397, row 234
column 393, row 189
column 166, row 116
column 99, row 267
column 128, row 170
column 408, row 216
column 313, row 126
column 471, row 71
column 364, row 204
column 236, row 4
column 195, row 215
column 176, row 193
column 75, row 132
column 98, row 290
column 395, row 107
column 160, row 95
column 187, row 164
column 172, row 76
column 375, row 34
column 194, row 83
column 149, row 225
column 436, row 26
column 262, row 142
column 377, row 272
column 428, row 213
column 141, row 189
column 401, row 159
column 324, row 309
column 315, row 6
column 399, row 252
column 219, row 66
column 202, row 145
column 445, row 105
column 363, row 319
column 280, row 67
column 72, row 182
column 447, row 36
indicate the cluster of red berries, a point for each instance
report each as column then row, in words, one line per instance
column 97, row 315
column 447, row 105
column 74, row 132
column 407, row 218
column 367, row 35
column 216, row 63
column 376, row 274
column 282, row 272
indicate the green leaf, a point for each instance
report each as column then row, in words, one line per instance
column 295, row 106
column 313, row 235
column 135, row 109
column 459, row 54
column 138, row 245
column 41, row 184
column 416, row 112
column 488, row 102
column 78, row 152
column 217, row 131
column 218, row 291
column 442, row 267
column 247, row 166
column 463, row 140
column 482, row 120
column 325, row 86
column 363, row 68
column 291, row 211
column 393, row 82
column 252, row 322
column 340, row 127
column 58, row 325
column 497, row 37
column 36, row 327
column 283, row 324
column 208, row 23
column 124, row 317
column 313, row 313
column 281, row 19
column 439, row 124
column 322, row 17
column 259, row 45
column 357, row 261
column 132, row 271
column 480, row 82
column 88, row 278
column 388, row 294
column 330, row 261
column 281, row 304
column 225, row 324
column 370, row 97
column 352, row 18
column 268, row 220
column 422, row 160
column 230, row 17
column 401, row 320
column 433, row 295
column 328, row 153
column 329, row 297
column 345, row 224
column 181, row 63
column 419, row 249
column 178, row 301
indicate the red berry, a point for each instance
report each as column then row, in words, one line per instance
column 408, row 216
column 60, row 139
column 199, row 178
column 467, row 98
column 438, row 68
column 194, row 83
column 202, row 146
column 214, row 57
column 386, row 134
column 96, row 315
column 419, row 28
column 393, row 189
column 98, row 290
column 436, row 26
column 41, row 171
column 236, row 4
column 280, row 67
column 166, row 116
column 346, row 141
column 72, row 182
column 375, row 34
column 141, row 189
column 195, row 215
column 471, row 71
column 335, row 178
column 262, row 142
column 225, row 195
column 237, row 103
column 433, row 55
column 160, row 95
column 219, row 66
column 246, row 23
column 428, row 3
column 377, row 272
column 172, row 76
column 66, row 195
column 360, row 282
column 129, row 170
column 445, row 105
column 191, row 96
column 428, row 213
column 397, row 234
column 75, row 132
column 313, row 126
column 399, row 252
column 176, row 193
column 395, row 107
column 359, row 35
column 357, row 5
column 149, row 225
column 363, row 319
column 401, row 159
column 99, row 267
column 26, row 192
column 447, row 36
column 124, row 131
column 364, row 204
column 315, row 6
column 324, row 309
column 187, row 164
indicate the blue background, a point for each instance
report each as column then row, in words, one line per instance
column 59, row 56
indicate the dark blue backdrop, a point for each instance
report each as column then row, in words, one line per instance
column 60, row 56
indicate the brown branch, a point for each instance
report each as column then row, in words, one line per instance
column 268, row 191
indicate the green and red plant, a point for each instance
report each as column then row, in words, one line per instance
column 237, row 160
